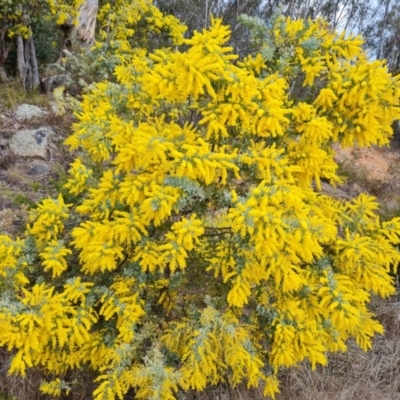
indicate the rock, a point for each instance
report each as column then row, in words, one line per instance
column 355, row 189
column 335, row 192
column 31, row 143
column 53, row 82
column 3, row 143
column 38, row 169
column 27, row 111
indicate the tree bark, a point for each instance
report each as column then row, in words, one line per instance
column 3, row 75
column 21, row 67
column 85, row 30
column 35, row 80
column 27, row 63
column 380, row 45
column 4, row 50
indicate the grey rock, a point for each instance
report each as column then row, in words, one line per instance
column 27, row 111
column 3, row 143
column 31, row 143
column 53, row 82
column 355, row 189
column 335, row 192
column 38, row 169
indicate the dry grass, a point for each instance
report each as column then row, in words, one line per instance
column 355, row 374
column 7, row 160
column 13, row 94
column 15, row 387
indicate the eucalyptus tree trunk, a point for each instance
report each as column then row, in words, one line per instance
column 27, row 65
column 5, row 47
column 86, row 28
column 20, row 58
column 380, row 44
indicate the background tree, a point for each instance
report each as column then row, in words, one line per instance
column 16, row 19
column 388, row 31
column 376, row 21
column 123, row 29
column 85, row 29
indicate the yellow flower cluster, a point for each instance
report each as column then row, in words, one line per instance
column 16, row 23
column 78, row 180
column 197, row 250
column 48, row 220
column 123, row 20
column 53, row 257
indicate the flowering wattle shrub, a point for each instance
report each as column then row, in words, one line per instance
column 196, row 248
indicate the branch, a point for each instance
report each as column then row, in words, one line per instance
column 217, row 231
